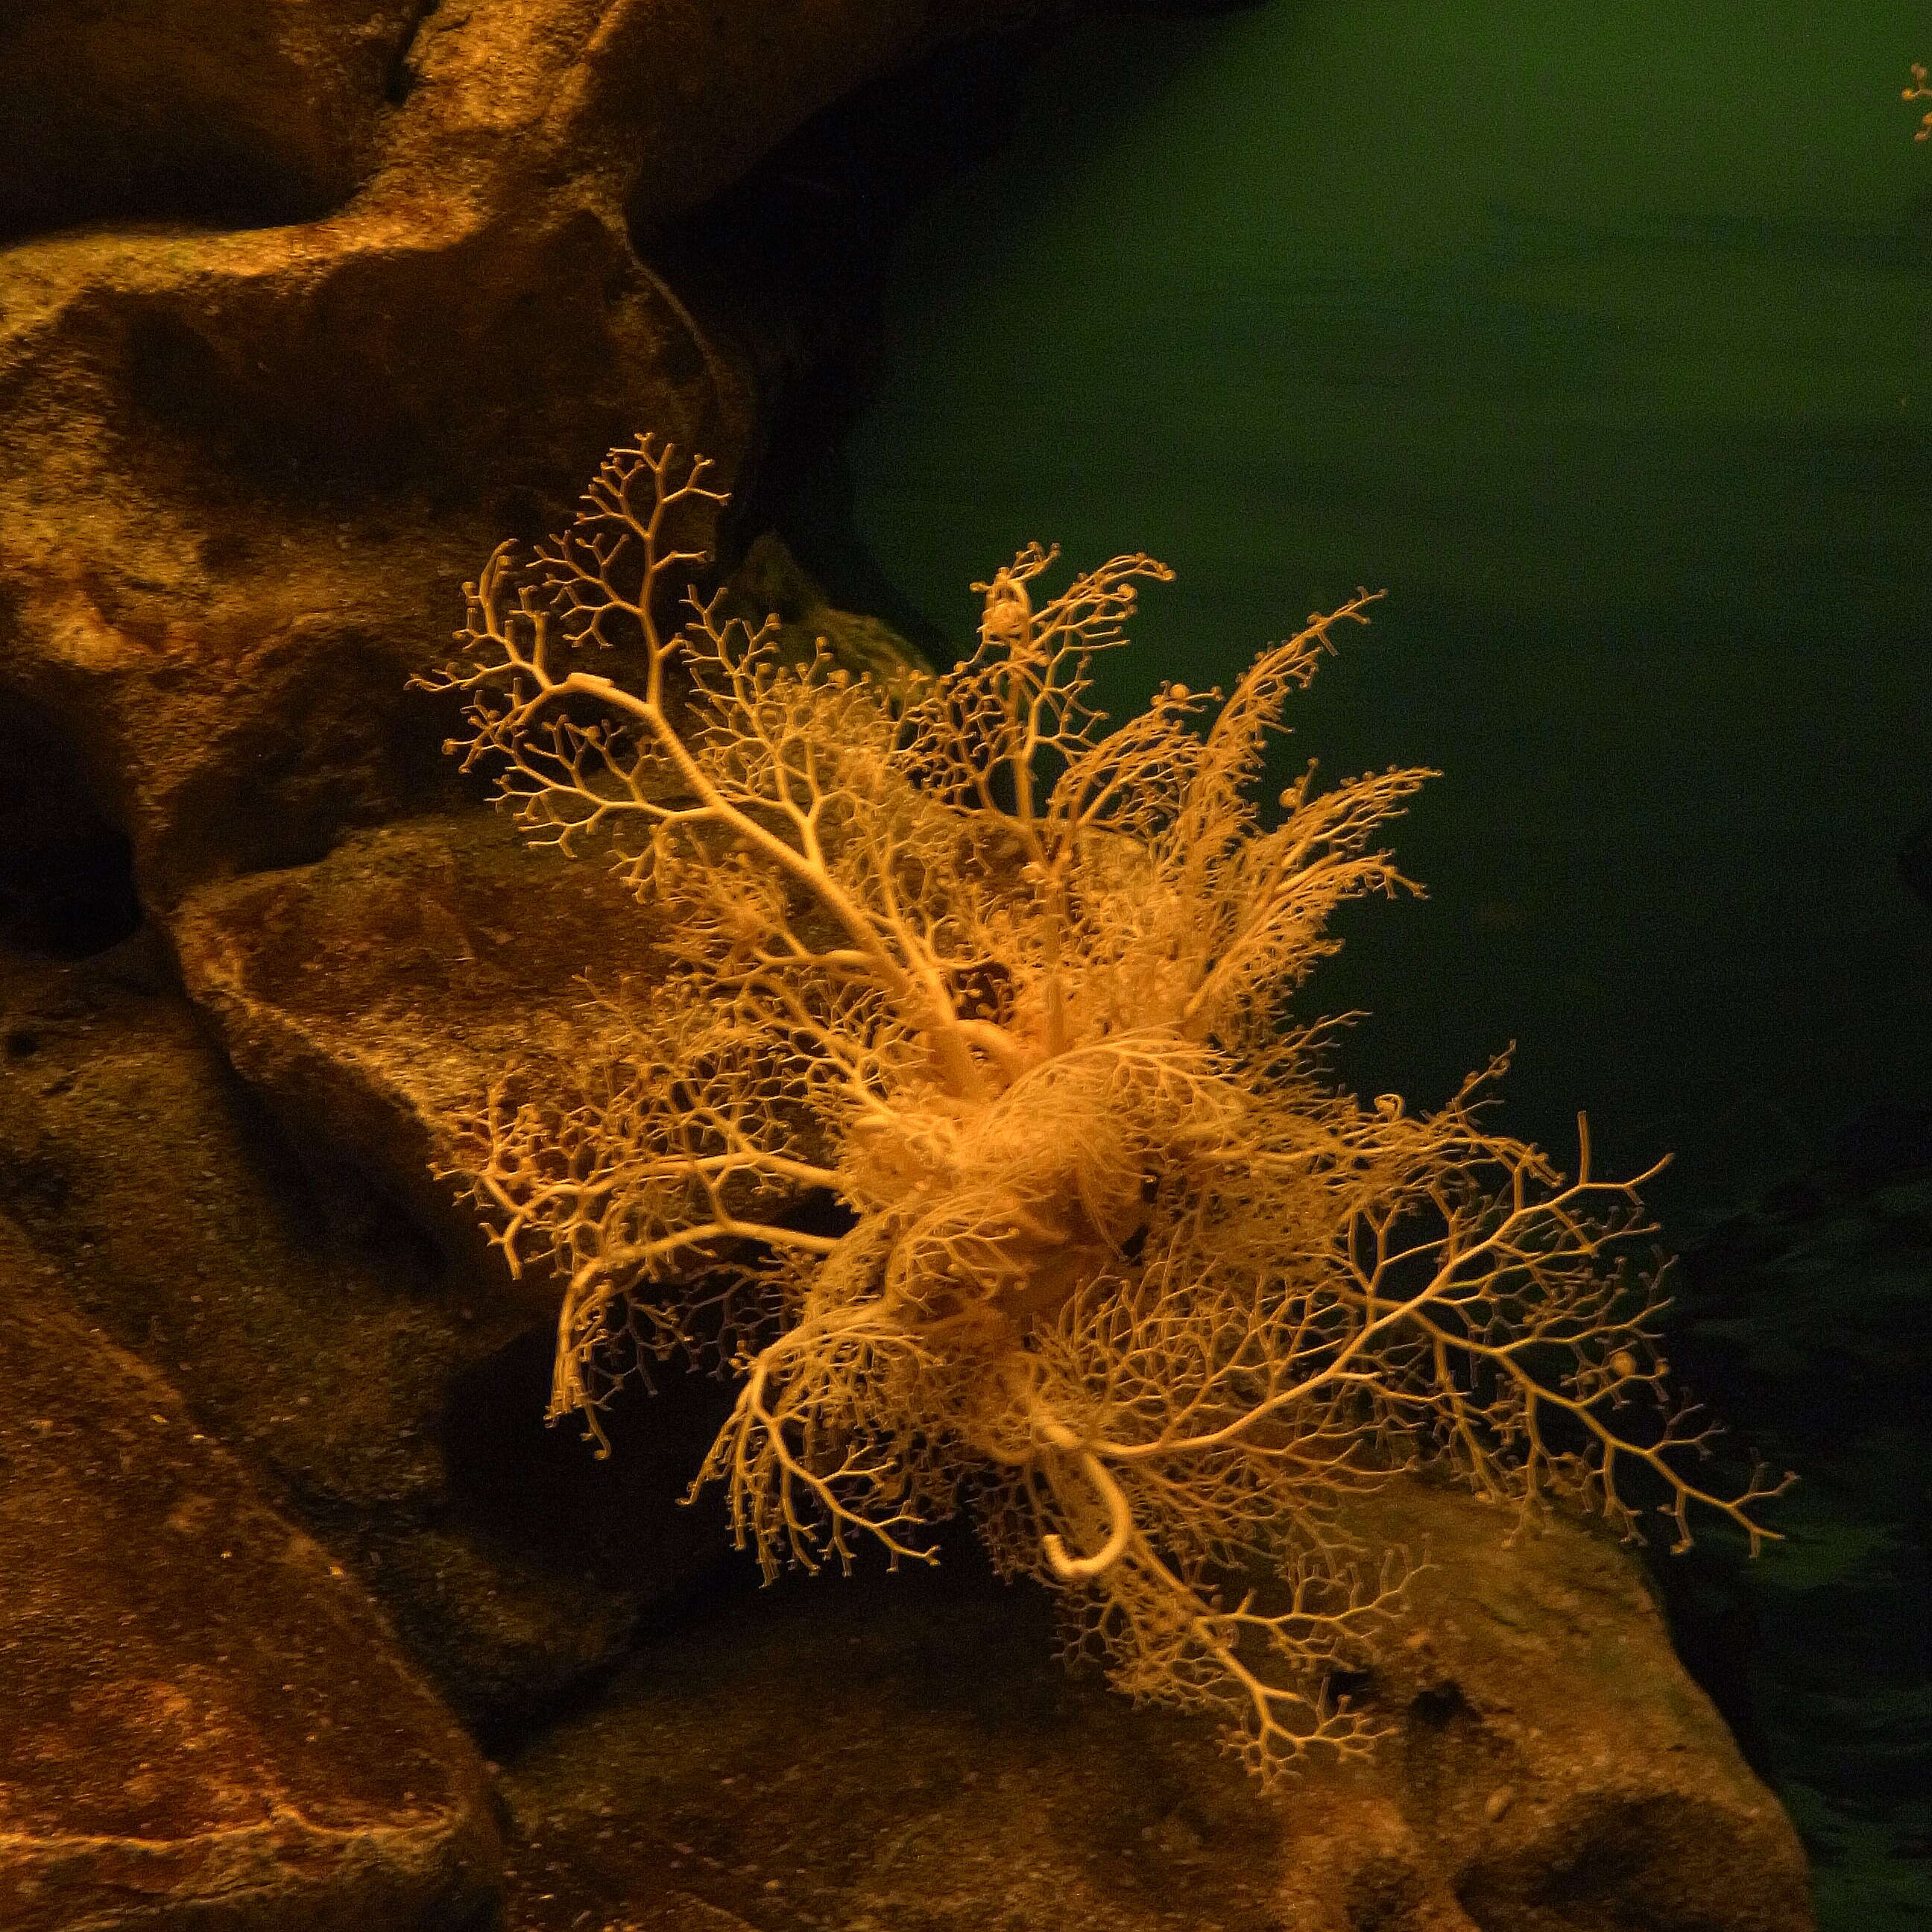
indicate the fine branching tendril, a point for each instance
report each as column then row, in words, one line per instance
column 1099, row 1253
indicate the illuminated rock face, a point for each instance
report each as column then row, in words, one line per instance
column 904, row 1750
column 202, row 1716
column 303, row 306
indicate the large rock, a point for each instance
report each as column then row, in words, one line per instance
column 204, row 1719
column 903, row 1754
column 372, row 996
column 390, row 1400
column 303, row 306
column 248, row 465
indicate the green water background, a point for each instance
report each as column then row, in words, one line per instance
column 1595, row 336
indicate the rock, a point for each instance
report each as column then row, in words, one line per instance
column 204, row 1719
column 1554, row 1764
column 371, row 996
column 397, row 1402
column 392, row 1402
column 248, row 467
column 770, row 584
column 904, row 1751
column 304, row 307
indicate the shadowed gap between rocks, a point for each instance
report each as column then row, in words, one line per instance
column 66, row 880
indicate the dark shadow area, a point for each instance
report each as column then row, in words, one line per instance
column 303, row 409
column 543, row 1489
column 1808, row 1321
column 1915, row 862
column 216, row 185
column 788, row 265
column 616, row 1513
column 791, row 266
column 125, row 113
column 67, row 879
column 292, row 785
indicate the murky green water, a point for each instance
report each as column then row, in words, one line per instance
column 1602, row 347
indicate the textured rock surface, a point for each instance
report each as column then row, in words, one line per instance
column 303, row 308
column 371, row 995
column 248, row 465
column 903, row 1752
column 393, row 1403
column 204, row 1719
